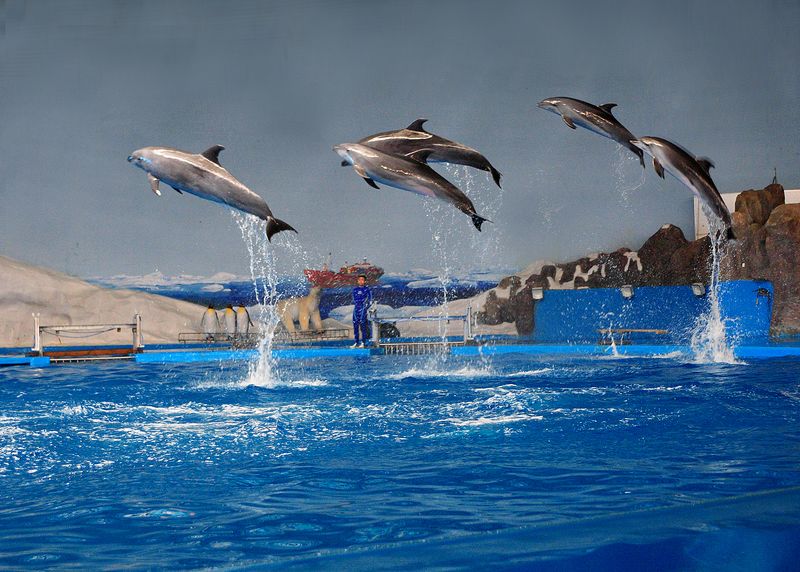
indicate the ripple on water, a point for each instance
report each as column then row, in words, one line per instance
column 244, row 476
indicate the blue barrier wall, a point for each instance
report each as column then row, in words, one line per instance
column 575, row 316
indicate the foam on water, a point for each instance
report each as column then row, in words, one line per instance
column 427, row 372
column 530, row 373
column 502, row 419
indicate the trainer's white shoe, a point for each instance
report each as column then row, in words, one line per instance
column 354, row 346
column 361, row 345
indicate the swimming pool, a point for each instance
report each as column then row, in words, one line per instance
column 402, row 462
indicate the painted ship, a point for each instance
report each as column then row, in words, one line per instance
column 346, row 276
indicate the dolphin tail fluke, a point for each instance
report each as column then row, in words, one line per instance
column 276, row 225
column 496, row 175
column 478, row 220
column 727, row 233
column 640, row 153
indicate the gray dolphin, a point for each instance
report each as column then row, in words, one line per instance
column 595, row 118
column 415, row 142
column 405, row 174
column 694, row 172
column 203, row 176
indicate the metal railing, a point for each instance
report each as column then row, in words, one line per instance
column 85, row 331
column 252, row 339
column 376, row 322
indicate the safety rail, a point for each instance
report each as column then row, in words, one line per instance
column 299, row 336
column 251, row 340
column 376, row 322
column 248, row 340
column 86, row 331
column 418, row 348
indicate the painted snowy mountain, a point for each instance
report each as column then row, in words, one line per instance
column 416, row 287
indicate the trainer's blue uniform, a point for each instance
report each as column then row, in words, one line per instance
column 362, row 298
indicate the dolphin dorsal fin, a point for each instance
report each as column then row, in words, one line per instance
column 417, row 125
column 607, row 107
column 706, row 163
column 212, row 153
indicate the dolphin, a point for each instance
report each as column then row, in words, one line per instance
column 203, row 176
column 597, row 119
column 405, row 174
column 414, row 142
column 694, row 172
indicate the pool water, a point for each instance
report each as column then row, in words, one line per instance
column 395, row 462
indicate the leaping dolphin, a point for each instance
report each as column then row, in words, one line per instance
column 414, row 142
column 203, row 176
column 595, row 118
column 405, row 174
column 694, row 172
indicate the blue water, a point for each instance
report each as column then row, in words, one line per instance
column 386, row 462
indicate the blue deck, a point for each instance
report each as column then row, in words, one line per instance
column 541, row 349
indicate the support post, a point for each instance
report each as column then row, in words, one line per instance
column 375, row 325
column 138, row 340
column 468, row 325
column 37, row 335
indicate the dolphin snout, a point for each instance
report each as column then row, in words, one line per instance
column 130, row 158
column 341, row 150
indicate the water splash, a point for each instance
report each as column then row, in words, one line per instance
column 441, row 222
column 622, row 174
column 709, row 340
column 450, row 229
column 263, row 273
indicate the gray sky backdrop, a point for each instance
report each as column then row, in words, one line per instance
column 83, row 83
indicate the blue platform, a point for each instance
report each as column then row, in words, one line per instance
column 576, row 316
column 247, row 355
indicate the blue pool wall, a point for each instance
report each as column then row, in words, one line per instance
column 575, row 316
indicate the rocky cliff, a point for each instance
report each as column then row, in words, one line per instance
column 767, row 247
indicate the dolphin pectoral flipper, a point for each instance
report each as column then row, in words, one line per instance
column 153, row 184
column 180, row 192
column 345, row 163
column 363, row 174
column 658, row 168
column 568, row 121
column 212, row 153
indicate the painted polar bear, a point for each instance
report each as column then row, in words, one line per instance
column 301, row 309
